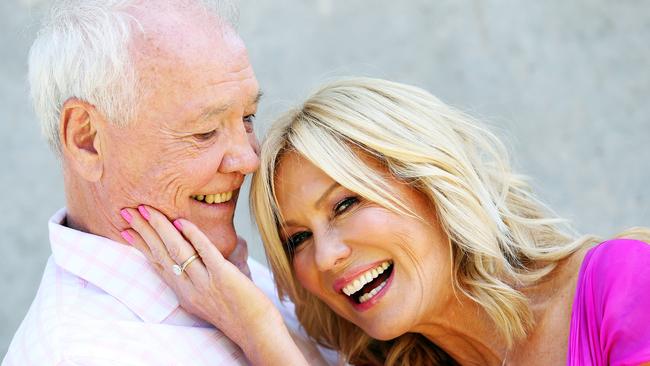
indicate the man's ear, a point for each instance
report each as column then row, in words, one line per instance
column 80, row 138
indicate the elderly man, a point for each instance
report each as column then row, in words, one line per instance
column 145, row 102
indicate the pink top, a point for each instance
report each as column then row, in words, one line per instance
column 610, row 320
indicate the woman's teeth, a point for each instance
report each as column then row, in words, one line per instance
column 213, row 198
column 367, row 296
column 366, row 278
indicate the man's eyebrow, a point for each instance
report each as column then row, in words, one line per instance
column 215, row 111
column 257, row 98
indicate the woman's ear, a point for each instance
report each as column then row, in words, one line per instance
column 79, row 133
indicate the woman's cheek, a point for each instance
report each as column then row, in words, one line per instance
column 306, row 272
column 368, row 220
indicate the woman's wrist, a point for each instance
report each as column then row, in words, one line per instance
column 271, row 344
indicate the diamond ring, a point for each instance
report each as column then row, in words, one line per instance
column 179, row 269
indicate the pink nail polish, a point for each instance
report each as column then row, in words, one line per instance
column 126, row 215
column 178, row 225
column 125, row 234
column 144, row 212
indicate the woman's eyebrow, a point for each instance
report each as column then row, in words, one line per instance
column 327, row 192
column 318, row 203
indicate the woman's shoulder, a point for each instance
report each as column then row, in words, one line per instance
column 617, row 259
column 610, row 322
column 621, row 245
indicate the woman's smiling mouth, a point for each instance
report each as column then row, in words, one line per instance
column 364, row 289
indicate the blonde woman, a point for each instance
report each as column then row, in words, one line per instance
column 396, row 226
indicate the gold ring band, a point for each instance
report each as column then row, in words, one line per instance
column 179, row 269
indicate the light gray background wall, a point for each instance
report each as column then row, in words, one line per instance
column 566, row 83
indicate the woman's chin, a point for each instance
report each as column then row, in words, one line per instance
column 382, row 331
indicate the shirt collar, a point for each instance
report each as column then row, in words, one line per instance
column 120, row 270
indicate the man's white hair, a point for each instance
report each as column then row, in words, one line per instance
column 82, row 51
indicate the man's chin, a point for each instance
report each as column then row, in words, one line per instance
column 223, row 238
column 216, row 222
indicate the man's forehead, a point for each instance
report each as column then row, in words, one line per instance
column 170, row 13
column 172, row 31
column 190, row 66
column 170, row 62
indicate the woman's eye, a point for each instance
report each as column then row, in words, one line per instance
column 344, row 204
column 205, row 136
column 248, row 122
column 296, row 239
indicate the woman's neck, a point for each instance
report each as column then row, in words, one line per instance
column 467, row 334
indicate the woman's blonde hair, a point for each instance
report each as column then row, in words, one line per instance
column 501, row 237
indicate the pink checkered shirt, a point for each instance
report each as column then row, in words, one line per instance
column 100, row 303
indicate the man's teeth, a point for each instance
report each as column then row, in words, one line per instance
column 213, row 198
column 366, row 278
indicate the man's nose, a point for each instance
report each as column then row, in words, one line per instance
column 330, row 251
column 242, row 155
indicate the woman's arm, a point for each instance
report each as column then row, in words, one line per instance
column 213, row 288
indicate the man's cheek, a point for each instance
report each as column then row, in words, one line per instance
column 255, row 143
column 156, row 186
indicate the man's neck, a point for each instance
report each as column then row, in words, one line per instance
column 86, row 213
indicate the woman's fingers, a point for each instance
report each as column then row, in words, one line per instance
column 149, row 237
column 179, row 284
column 221, row 294
column 180, row 251
column 151, row 245
column 136, row 241
column 204, row 247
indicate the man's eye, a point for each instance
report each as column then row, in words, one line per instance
column 344, row 204
column 205, row 136
column 248, row 122
column 296, row 239
column 249, row 118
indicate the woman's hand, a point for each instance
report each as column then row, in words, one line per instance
column 209, row 286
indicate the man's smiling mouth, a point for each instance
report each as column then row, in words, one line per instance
column 213, row 198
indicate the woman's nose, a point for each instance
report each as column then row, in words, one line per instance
column 330, row 251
